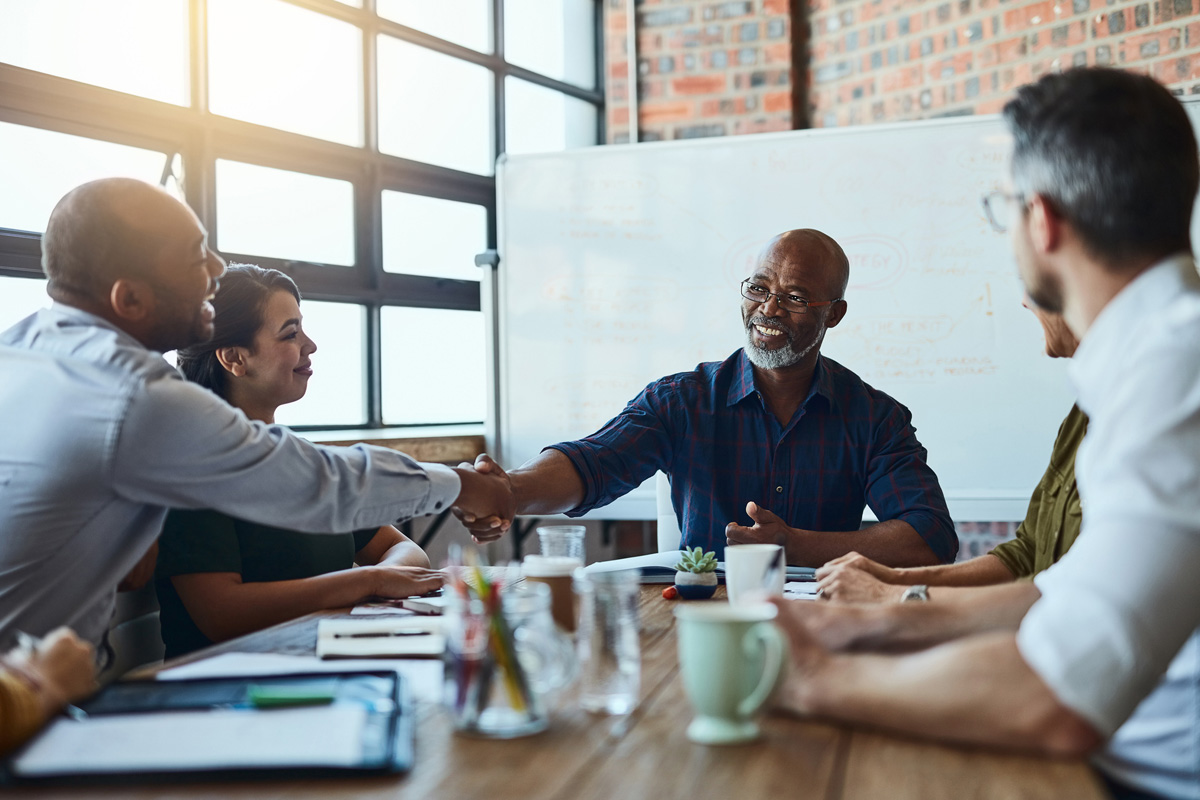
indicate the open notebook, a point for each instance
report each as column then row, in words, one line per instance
column 660, row 568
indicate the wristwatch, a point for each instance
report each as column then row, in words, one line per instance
column 915, row 594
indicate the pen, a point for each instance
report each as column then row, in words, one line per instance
column 772, row 570
column 380, row 634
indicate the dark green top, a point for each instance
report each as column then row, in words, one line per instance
column 208, row 541
column 1052, row 522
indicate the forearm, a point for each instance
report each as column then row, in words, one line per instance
column 936, row 694
column 983, row 571
column 22, row 709
column 892, row 543
column 235, row 608
column 547, row 484
column 405, row 554
column 954, row 613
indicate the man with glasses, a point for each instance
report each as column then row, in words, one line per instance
column 1102, row 650
column 774, row 444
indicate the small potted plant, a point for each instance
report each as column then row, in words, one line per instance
column 696, row 574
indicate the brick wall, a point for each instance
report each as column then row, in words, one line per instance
column 887, row 60
column 716, row 68
column 704, row 68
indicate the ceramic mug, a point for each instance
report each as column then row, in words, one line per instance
column 754, row 571
column 731, row 658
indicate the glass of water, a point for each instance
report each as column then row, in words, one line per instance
column 610, row 659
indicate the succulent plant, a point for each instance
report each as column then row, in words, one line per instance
column 697, row 561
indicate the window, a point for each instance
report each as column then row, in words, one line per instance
column 440, row 382
column 552, row 37
column 465, row 22
column 350, row 144
column 434, row 108
column 20, row 297
column 336, row 389
column 542, row 120
column 288, row 215
column 37, row 167
column 75, row 39
column 274, row 64
column 428, row 236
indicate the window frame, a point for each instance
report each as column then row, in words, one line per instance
column 200, row 138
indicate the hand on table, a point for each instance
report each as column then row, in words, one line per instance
column 62, row 663
column 767, row 528
column 487, row 517
column 853, row 578
column 396, row 581
column 807, row 656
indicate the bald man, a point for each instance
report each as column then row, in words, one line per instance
column 774, row 444
column 102, row 435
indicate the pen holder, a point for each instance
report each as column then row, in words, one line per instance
column 504, row 665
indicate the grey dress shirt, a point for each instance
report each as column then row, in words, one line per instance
column 100, row 437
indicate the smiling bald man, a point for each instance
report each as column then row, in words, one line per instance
column 774, row 444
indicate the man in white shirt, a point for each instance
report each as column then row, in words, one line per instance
column 102, row 436
column 1100, row 653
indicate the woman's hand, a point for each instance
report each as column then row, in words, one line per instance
column 392, row 582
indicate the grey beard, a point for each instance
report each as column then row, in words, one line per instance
column 778, row 358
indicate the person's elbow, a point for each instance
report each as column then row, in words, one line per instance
column 1059, row 731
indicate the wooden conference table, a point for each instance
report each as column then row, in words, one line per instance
column 648, row 755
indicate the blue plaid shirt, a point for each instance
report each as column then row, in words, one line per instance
column 848, row 446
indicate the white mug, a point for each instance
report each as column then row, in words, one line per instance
column 754, row 572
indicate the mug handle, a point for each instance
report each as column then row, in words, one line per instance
column 767, row 637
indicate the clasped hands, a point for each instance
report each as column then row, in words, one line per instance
column 486, row 505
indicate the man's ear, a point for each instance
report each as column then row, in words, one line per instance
column 837, row 312
column 1045, row 225
column 131, row 300
column 233, row 359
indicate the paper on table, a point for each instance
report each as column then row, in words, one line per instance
column 190, row 740
column 367, row 637
column 801, row 590
column 382, row 608
column 424, row 676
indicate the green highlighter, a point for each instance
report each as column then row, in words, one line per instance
column 285, row 695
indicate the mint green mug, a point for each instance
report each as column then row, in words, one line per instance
column 731, row 658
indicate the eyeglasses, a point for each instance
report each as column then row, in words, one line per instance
column 792, row 303
column 996, row 205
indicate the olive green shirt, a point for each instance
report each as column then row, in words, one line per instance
column 1052, row 522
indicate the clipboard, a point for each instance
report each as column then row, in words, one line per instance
column 317, row 725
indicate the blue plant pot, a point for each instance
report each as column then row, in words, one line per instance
column 695, row 587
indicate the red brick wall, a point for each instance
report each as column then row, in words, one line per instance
column 705, row 68
column 715, row 68
column 887, row 60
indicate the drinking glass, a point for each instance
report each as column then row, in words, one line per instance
column 607, row 641
column 504, row 667
column 562, row 540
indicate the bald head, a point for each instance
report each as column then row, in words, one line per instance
column 105, row 230
column 814, row 248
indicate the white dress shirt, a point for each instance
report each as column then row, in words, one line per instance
column 1120, row 608
column 101, row 436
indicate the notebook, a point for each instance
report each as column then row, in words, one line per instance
column 317, row 725
column 660, row 568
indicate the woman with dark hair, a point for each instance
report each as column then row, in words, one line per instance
column 220, row 577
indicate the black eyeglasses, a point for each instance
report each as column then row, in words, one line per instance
column 996, row 207
column 793, row 303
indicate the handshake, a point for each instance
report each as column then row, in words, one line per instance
column 486, row 504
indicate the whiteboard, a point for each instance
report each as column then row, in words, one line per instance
column 621, row 264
